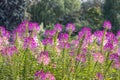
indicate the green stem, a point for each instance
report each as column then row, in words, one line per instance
column 103, row 40
column 107, row 68
column 69, row 39
column 95, row 66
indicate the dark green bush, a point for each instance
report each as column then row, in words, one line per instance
column 12, row 12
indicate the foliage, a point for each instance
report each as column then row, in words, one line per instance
column 94, row 16
column 49, row 11
column 91, row 13
column 12, row 12
column 111, row 12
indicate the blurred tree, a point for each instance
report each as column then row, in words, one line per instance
column 12, row 12
column 112, row 12
column 91, row 13
column 49, row 11
column 94, row 17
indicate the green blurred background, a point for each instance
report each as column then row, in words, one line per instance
column 89, row 13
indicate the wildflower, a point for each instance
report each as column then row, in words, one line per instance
column 47, row 41
column 40, row 75
column 70, row 27
column 9, row 51
column 63, row 37
column 118, row 51
column 99, row 76
column 4, row 32
column 33, row 26
column 64, row 45
column 50, row 33
column 44, row 58
column 49, row 76
column 81, row 58
column 116, row 65
column 107, row 24
column 114, row 57
column 98, row 57
column 58, row 50
column 74, row 44
column 30, row 43
column 85, row 31
column 118, row 35
column 58, row 27
column 99, row 35
column 108, row 46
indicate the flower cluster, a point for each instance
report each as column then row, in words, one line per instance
column 59, row 55
column 41, row 75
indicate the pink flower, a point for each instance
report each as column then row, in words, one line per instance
column 108, row 46
column 98, row 57
column 63, row 37
column 70, row 27
column 63, row 45
column 118, row 34
column 81, row 58
column 85, row 31
column 114, row 57
column 9, row 51
column 99, row 76
column 41, row 75
column 47, row 41
column 58, row 27
column 107, row 24
column 33, row 26
column 30, row 43
column 50, row 33
column 116, row 65
column 44, row 58
column 50, row 76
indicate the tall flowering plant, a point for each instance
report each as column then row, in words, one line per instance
column 59, row 56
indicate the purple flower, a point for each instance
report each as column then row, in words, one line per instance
column 9, row 51
column 114, row 57
column 23, row 26
column 99, row 76
column 98, row 57
column 40, row 75
column 85, row 31
column 44, row 58
column 99, row 35
column 30, row 43
column 81, row 58
column 70, row 27
column 33, row 26
column 26, row 29
column 118, row 51
column 63, row 37
column 50, row 33
column 63, row 45
column 47, row 41
column 74, row 44
column 108, row 46
column 116, row 65
column 118, row 35
column 110, row 36
column 58, row 27
column 107, row 24
column 50, row 76
column 4, row 32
